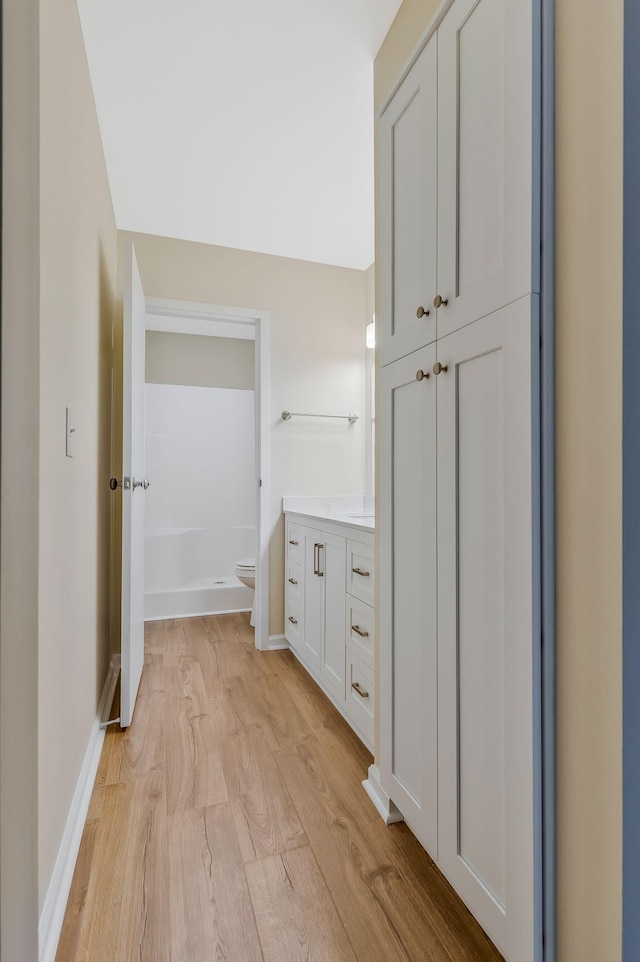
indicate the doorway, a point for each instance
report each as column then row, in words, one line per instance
column 212, row 426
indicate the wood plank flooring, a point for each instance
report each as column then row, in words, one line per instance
column 228, row 824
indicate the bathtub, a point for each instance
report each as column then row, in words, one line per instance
column 174, row 585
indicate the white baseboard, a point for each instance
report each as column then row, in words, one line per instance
column 277, row 643
column 55, row 903
column 372, row 786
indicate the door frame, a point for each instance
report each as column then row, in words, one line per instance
column 210, row 320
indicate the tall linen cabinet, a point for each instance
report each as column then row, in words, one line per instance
column 458, row 448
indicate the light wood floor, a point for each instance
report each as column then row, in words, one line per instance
column 229, row 824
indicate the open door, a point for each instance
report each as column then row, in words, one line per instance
column 133, row 485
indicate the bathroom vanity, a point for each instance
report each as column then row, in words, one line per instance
column 329, row 598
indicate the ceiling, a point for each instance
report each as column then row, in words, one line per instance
column 244, row 123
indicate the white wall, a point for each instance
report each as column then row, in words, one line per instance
column 200, row 511
column 317, row 363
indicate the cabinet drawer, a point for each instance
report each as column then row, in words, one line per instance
column 361, row 630
column 360, row 694
column 295, row 543
column 294, row 583
column 360, row 572
column 293, row 623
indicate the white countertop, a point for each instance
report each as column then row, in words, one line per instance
column 355, row 511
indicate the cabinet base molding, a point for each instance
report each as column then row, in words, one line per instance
column 389, row 813
column 277, row 643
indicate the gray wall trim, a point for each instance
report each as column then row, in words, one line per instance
column 631, row 491
column 547, row 481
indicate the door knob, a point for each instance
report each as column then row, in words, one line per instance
column 439, row 301
column 439, row 368
column 422, row 312
column 422, row 375
column 144, row 484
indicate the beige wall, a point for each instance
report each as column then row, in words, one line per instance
column 20, row 443
column 78, row 259
column 317, row 363
column 589, row 408
column 199, row 361
column 589, row 477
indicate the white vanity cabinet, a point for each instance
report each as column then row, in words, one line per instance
column 329, row 615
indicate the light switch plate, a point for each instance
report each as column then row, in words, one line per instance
column 70, row 429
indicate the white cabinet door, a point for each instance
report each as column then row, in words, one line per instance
column 408, row 221
column 408, row 639
column 486, row 172
column 333, row 567
column 311, row 644
column 488, row 622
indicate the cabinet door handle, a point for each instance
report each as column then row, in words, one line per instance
column 292, row 581
column 294, row 542
column 359, row 571
column 360, row 691
column 315, row 558
column 293, row 620
column 360, row 631
column 319, row 573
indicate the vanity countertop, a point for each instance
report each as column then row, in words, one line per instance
column 353, row 511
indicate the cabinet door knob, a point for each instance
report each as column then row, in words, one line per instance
column 439, row 368
column 422, row 375
column 439, row 301
column 422, row 312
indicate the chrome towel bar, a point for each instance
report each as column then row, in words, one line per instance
column 351, row 418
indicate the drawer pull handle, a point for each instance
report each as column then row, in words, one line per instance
column 292, row 581
column 293, row 620
column 294, row 542
column 360, row 691
column 359, row 571
column 360, row 631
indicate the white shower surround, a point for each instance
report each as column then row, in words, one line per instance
column 201, row 508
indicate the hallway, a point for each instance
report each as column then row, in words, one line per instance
column 229, row 823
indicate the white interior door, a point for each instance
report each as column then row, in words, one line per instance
column 408, row 547
column 488, row 621
column 408, row 219
column 133, row 488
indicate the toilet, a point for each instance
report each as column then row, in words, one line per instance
column 246, row 573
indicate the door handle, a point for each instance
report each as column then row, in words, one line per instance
column 144, row 484
column 292, row 581
column 293, row 620
column 294, row 542
column 316, row 560
column 363, row 574
column 360, row 691
column 360, row 631
column 114, row 484
column 320, row 573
